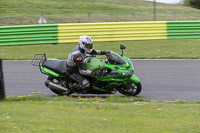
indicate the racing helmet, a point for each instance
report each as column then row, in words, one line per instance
column 85, row 43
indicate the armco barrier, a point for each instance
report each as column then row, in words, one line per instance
column 183, row 29
column 111, row 31
column 2, row 89
column 115, row 31
column 28, row 34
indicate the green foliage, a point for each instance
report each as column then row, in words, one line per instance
column 193, row 3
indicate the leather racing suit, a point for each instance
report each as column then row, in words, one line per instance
column 76, row 70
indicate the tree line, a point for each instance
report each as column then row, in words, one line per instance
column 192, row 3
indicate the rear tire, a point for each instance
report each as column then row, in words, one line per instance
column 133, row 89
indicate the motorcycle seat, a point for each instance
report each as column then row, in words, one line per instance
column 57, row 66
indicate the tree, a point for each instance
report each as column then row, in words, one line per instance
column 192, row 3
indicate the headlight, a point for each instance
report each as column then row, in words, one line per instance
column 127, row 73
column 123, row 73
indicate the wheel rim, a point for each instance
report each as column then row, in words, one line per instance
column 129, row 90
column 132, row 88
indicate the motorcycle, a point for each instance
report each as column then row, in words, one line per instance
column 117, row 75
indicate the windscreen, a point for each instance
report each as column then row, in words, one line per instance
column 115, row 59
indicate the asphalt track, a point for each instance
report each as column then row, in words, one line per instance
column 161, row 79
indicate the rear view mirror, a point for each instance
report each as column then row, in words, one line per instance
column 122, row 46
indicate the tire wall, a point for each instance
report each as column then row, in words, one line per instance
column 2, row 89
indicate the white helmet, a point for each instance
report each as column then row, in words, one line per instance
column 86, row 44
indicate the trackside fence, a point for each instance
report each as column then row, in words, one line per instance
column 2, row 89
column 183, row 29
column 28, row 34
column 110, row 31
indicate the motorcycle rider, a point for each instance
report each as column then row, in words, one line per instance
column 74, row 66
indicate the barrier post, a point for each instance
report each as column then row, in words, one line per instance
column 154, row 10
column 133, row 16
column 89, row 17
column 2, row 89
column 175, row 15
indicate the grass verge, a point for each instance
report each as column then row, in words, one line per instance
column 21, row 12
column 110, row 115
column 146, row 49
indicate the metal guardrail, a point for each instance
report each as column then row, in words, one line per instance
column 28, row 34
column 183, row 29
column 113, row 31
column 109, row 31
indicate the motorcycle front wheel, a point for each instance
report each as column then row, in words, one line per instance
column 133, row 89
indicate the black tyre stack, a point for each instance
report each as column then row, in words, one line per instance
column 2, row 89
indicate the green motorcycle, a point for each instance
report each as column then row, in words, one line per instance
column 117, row 74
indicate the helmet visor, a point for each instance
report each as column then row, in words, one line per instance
column 89, row 46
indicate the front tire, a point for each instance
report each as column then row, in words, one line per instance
column 133, row 89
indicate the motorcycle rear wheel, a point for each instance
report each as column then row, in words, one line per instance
column 133, row 89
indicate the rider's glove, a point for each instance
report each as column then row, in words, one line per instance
column 105, row 52
column 95, row 73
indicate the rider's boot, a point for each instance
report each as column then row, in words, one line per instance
column 81, row 84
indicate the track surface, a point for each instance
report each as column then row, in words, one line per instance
column 161, row 79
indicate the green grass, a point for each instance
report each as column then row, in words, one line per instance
column 95, row 115
column 155, row 49
column 21, row 12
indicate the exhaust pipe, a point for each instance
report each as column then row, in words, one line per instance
column 54, row 86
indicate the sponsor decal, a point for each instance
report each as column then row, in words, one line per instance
column 79, row 58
